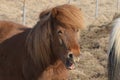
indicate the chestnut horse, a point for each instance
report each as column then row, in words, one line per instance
column 44, row 52
column 114, row 52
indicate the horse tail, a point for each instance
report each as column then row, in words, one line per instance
column 114, row 52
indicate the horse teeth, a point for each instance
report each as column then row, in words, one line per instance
column 77, row 59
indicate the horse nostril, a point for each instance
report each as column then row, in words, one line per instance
column 70, row 55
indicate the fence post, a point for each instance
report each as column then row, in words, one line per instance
column 96, row 10
column 118, row 5
column 68, row 1
column 24, row 12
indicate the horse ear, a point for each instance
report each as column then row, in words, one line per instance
column 54, row 12
column 116, row 15
column 44, row 14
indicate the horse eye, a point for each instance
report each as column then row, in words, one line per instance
column 59, row 32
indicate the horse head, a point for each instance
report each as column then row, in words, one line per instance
column 66, row 22
column 56, row 36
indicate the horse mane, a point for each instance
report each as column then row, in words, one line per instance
column 114, row 33
column 38, row 43
column 114, row 52
column 39, row 39
column 68, row 15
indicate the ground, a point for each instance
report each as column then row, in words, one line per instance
column 93, row 59
column 94, row 39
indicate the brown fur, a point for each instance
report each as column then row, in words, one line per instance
column 36, row 54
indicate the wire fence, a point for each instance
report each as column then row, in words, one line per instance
column 96, row 14
column 118, row 4
column 96, row 10
column 24, row 12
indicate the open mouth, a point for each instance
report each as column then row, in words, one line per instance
column 70, row 64
column 71, row 67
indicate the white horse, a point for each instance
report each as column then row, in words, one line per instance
column 114, row 52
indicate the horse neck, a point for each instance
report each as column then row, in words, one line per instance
column 54, row 70
column 57, row 71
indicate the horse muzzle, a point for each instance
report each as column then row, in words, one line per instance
column 70, row 61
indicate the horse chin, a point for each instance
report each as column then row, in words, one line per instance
column 70, row 65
